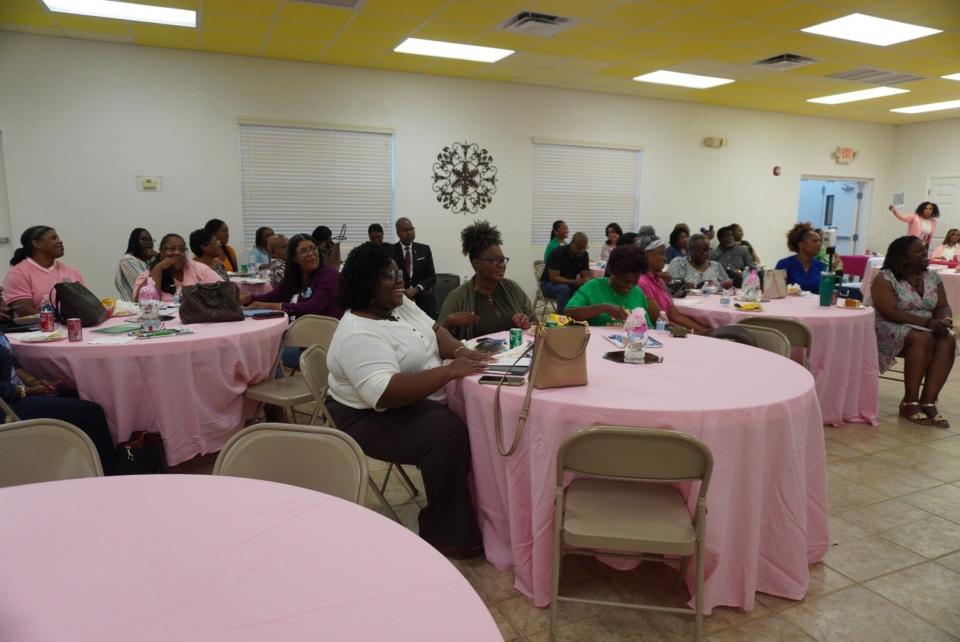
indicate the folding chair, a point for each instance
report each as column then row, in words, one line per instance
column 541, row 300
column 797, row 334
column 769, row 339
column 39, row 450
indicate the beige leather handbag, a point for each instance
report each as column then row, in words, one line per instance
column 559, row 360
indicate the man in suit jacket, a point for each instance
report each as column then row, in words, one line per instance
column 416, row 262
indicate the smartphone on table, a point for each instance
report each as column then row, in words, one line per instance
column 509, row 380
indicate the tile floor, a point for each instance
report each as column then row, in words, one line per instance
column 893, row 572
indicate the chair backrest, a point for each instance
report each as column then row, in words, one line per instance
column 40, row 450
column 314, row 457
column 735, row 333
column 641, row 454
column 310, row 329
column 446, row 283
column 313, row 366
column 538, row 268
column 769, row 339
column 797, row 334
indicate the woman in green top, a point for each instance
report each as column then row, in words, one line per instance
column 608, row 300
column 558, row 237
column 488, row 302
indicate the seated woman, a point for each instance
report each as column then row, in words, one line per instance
column 220, row 229
column 36, row 269
column 803, row 268
column 607, row 300
column 558, row 237
column 32, row 398
column 488, row 302
column 206, row 249
column 259, row 255
column 307, row 287
column 914, row 321
column 139, row 252
column 277, row 246
column 679, row 238
column 949, row 250
column 654, row 287
column 387, row 391
column 613, row 232
column 171, row 269
column 697, row 269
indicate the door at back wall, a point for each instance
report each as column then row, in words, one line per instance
column 835, row 202
column 945, row 192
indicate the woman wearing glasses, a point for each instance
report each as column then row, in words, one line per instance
column 488, row 302
column 307, row 287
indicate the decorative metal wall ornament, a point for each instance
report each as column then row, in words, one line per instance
column 464, row 178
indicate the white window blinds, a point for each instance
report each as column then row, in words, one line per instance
column 296, row 178
column 588, row 187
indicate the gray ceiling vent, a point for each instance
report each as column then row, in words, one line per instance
column 784, row 62
column 875, row 76
column 345, row 4
column 536, row 24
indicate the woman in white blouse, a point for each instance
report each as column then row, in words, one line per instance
column 387, row 391
column 139, row 253
column 949, row 250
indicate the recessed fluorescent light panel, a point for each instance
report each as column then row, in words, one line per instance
column 919, row 109
column 125, row 11
column 440, row 49
column 678, row 79
column 951, row 77
column 873, row 31
column 853, row 96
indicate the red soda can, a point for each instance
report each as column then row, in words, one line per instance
column 74, row 330
column 46, row 321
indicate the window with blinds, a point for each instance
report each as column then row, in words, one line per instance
column 588, row 187
column 296, row 178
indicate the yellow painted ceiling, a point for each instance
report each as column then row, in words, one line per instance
column 611, row 42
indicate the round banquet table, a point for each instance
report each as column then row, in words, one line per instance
column 756, row 411
column 188, row 388
column 844, row 360
column 208, row 558
column 596, row 271
column 951, row 285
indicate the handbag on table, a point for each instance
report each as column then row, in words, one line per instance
column 210, row 303
column 72, row 300
column 142, row 454
column 775, row 284
column 559, row 361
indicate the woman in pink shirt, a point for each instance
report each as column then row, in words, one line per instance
column 922, row 223
column 36, row 269
column 172, row 269
column 653, row 286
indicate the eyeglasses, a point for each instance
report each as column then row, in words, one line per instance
column 499, row 260
column 307, row 251
column 395, row 275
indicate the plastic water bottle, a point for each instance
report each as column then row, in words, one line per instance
column 46, row 315
column 751, row 286
column 149, row 307
column 662, row 322
column 253, row 263
column 635, row 330
column 178, row 296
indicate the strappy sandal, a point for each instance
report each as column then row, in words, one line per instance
column 919, row 417
column 934, row 416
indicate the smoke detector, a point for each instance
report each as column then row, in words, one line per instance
column 784, row 62
column 535, row 24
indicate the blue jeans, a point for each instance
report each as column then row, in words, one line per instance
column 560, row 292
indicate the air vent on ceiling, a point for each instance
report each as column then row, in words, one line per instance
column 346, row 4
column 875, row 76
column 783, row 62
column 535, row 24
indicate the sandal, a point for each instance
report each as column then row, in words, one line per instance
column 919, row 417
column 934, row 416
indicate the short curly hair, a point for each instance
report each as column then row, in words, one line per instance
column 476, row 238
column 796, row 235
column 627, row 259
column 359, row 275
column 199, row 238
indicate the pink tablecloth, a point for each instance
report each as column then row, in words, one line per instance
column 188, row 388
column 844, row 360
column 757, row 412
column 253, row 286
column 951, row 284
column 596, row 271
column 182, row 557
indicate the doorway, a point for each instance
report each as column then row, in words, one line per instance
column 836, row 202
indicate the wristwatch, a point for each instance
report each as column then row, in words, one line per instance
column 21, row 391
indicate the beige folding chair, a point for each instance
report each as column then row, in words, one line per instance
column 313, row 365
column 8, row 413
column 734, row 333
column 39, row 450
column 541, row 301
column 797, row 334
column 769, row 339
column 322, row 459
column 623, row 504
column 290, row 391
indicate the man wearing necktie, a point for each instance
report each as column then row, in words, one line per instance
column 416, row 262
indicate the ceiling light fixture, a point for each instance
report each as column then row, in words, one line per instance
column 951, row 77
column 125, row 11
column 919, row 109
column 440, row 49
column 662, row 77
column 873, row 31
column 853, row 96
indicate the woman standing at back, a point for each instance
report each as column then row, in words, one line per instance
column 922, row 223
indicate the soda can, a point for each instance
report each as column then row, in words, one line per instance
column 516, row 337
column 46, row 321
column 74, row 330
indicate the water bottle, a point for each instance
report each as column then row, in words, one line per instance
column 635, row 336
column 751, row 286
column 149, row 307
column 662, row 322
column 253, row 263
column 178, row 296
column 46, row 315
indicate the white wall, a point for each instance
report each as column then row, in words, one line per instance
column 82, row 119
